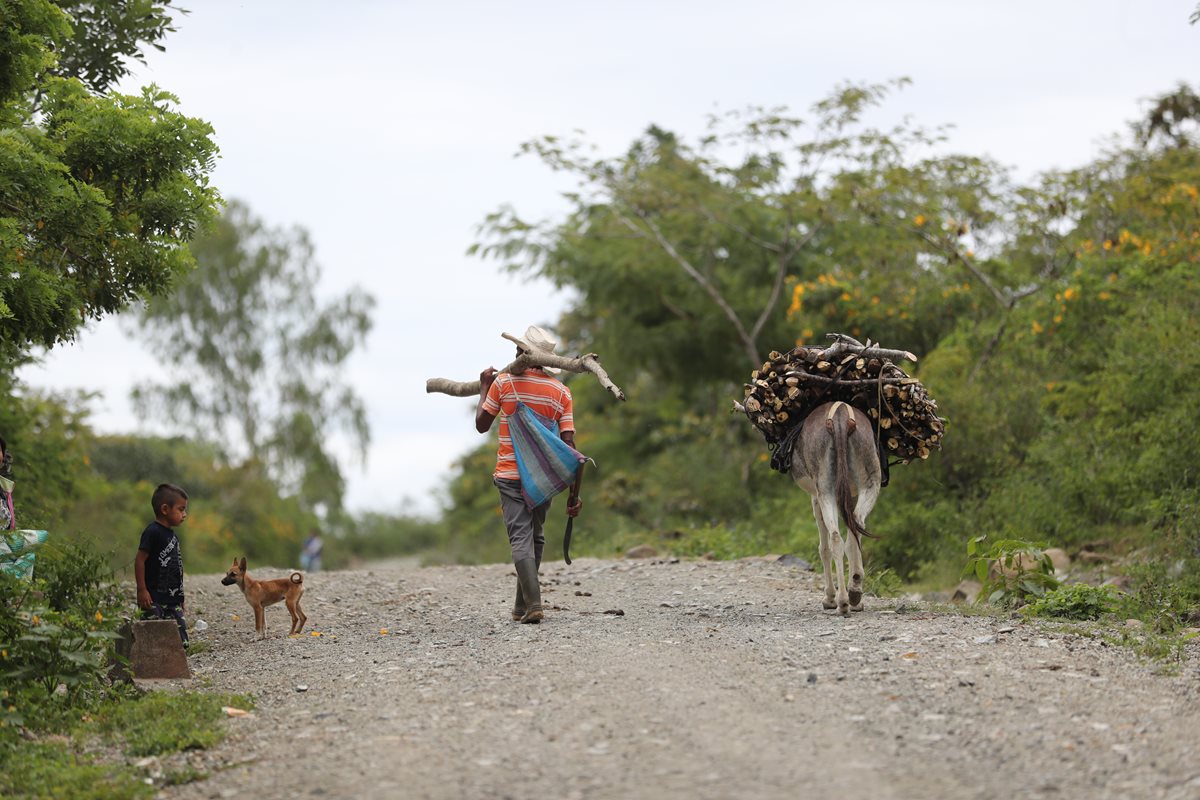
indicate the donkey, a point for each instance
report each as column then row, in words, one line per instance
column 835, row 460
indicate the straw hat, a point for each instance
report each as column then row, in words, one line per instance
column 538, row 340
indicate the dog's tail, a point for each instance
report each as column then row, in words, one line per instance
column 297, row 577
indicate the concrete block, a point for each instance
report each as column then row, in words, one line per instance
column 153, row 650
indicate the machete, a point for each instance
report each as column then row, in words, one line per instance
column 571, row 520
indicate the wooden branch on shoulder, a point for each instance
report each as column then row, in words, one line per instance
column 585, row 363
column 844, row 345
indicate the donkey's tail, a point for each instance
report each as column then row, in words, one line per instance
column 840, row 427
column 297, row 577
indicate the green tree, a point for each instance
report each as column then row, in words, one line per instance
column 691, row 261
column 1055, row 320
column 108, row 32
column 48, row 437
column 679, row 249
column 257, row 357
column 98, row 193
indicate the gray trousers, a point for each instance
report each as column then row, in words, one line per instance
column 524, row 524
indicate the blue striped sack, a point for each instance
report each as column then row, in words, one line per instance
column 546, row 463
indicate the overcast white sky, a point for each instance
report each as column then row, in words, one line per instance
column 387, row 129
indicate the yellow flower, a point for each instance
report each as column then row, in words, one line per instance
column 970, row 254
column 1037, row 327
column 1069, row 293
column 1050, row 386
column 4, row 654
column 875, row 300
column 846, row 297
column 99, row 617
column 1057, row 318
column 1124, row 237
column 1108, row 244
column 1112, row 277
column 919, row 220
column 806, row 334
column 1104, row 295
column 35, row 620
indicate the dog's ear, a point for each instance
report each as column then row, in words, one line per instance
column 242, row 564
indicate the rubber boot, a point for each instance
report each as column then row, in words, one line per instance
column 518, row 610
column 527, row 576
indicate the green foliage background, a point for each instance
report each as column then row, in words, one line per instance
column 1055, row 319
column 1056, row 322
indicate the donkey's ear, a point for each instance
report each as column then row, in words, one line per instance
column 242, row 564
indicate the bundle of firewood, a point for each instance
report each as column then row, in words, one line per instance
column 790, row 385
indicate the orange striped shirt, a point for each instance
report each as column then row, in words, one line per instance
column 544, row 394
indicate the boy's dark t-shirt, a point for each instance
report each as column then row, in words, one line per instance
column 164, row 567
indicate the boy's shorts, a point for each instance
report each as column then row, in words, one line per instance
column 158, row 611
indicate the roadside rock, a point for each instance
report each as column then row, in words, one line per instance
column 966, row 592
column 1059, row 558
column 1118, row 582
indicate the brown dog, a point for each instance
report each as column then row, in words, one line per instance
column 264, row 593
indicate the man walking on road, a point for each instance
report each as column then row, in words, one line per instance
column 503, row 395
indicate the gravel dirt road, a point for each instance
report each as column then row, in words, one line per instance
column 719, row 680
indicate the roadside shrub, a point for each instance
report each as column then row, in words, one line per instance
column 1164, row 594
column 1078, row 602
column 55, row 630
column 882, row 582
column 1013, row 572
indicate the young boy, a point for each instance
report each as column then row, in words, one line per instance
column 159, row 565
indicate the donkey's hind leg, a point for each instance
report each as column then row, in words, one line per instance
column 826, row 556
column 832, row 553
column 866, row 501
column 855, row 589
